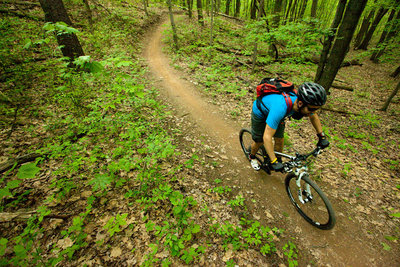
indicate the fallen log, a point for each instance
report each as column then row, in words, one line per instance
column 20, row 15
column 20, row 160
column 25, row 215
column 343, row 87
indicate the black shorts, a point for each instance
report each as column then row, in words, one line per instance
column 258, row 128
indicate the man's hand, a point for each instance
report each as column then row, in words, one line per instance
column 322, row 141
column 276, row 165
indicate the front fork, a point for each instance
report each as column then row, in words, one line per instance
column 304, row 194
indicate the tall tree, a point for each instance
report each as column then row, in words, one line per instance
column 386, row 35
column 200, row 12
column 314, row 8
column 276, row 15
column 364, row 28
column 395, row 91
column 342, row 41
column 171, row 17
column 329, row 39
column 227, row 7
column 237, row 8
column 190, row 6
column 54, row 11
column 88, row 12
column 379, row 15
column 255, row 51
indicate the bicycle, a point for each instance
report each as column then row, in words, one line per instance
column 304, row 194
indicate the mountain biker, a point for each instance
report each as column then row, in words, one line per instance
column 268, row 120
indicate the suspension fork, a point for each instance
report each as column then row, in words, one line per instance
column 301, row 173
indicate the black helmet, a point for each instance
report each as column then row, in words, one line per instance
column 312, row 94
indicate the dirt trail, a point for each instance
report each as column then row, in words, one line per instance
column 345, row 245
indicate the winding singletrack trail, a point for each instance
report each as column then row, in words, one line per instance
column 345, row 245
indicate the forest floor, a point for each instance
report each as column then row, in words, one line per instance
column 363, row 196
column 83, row 217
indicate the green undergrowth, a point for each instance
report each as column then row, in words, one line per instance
column 104, row 143
column 225, row 66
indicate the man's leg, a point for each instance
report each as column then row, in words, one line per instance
column 254, row 147
column 278, row 146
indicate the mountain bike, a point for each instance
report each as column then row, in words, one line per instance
column 305, row 195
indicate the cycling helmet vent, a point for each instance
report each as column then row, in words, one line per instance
column 312, row 94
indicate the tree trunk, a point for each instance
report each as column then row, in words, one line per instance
column 227, row 7
column 395, row 91
column 363, row 29
column 302, row 10
column 395, row 73
column 329, row 39
column 379, row 15
column 171, row 16
column 314, row 9
column 253, row 10
column 212, row 24
column 255, row 51
column 200, row 12
column 340, row 47
column 190, row 4
column 237, row 9
column 145, row 5
column 88, row 12
column 277, row 13
column 381, row 43
column 54, row 11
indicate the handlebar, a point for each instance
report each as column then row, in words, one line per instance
column 296, row 161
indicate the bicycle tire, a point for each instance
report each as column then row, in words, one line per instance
column 318, row 211
column 246, row 141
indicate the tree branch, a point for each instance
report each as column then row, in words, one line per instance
column 20, row 160
column 17, row 14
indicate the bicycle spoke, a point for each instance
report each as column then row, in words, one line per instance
column 310, row 202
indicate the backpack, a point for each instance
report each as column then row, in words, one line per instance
column 269, row 86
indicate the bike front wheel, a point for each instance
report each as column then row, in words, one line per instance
column 310, row 201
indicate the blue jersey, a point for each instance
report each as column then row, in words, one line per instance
column 275, row 108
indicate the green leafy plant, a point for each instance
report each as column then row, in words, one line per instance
column 113, row 225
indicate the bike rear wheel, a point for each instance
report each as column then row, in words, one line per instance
column 310, row 202
column 245, row 141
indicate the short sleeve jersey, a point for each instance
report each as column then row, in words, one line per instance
column 275, row 109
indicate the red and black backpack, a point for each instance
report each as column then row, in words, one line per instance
column 269, row 86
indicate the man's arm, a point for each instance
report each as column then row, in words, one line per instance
column 268, row 144
column 322, row 140
column 316, row 123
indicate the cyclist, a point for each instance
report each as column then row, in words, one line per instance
column 268, row 120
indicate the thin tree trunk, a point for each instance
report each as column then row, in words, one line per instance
column 212, row 24
column 381, row 43
column 200, row 12
column 237, row 9
column 190, row 4
column 171, row 16
column 363, row 29
column 277, row 11
column 395, row 73
column 54, row 11
column 255, row 51
column 302, row 10
column 314, row 9
column 329, row 39
column 340, row 47
column 379, row 15
column 253, row 10
column 227, row 7
column 145, row 4
column 88, row 12
column 395, row 91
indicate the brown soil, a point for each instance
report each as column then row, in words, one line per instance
column 353, row 242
